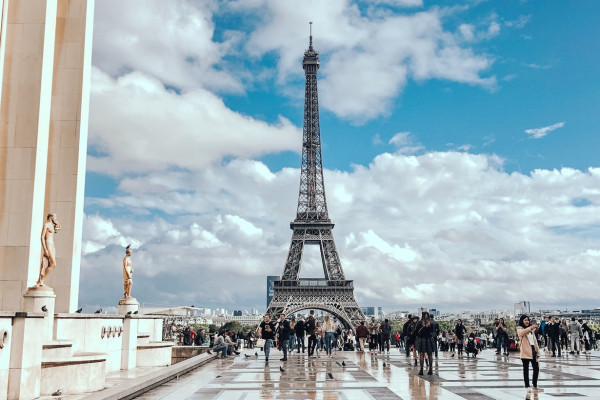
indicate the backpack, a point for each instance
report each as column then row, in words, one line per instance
column 471, row 344
column 412, row 329
column 385, row 329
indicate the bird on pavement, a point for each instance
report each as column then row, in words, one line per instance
column 129, row 312
column 384, row 365
column 343, row 363
column 281, row 369
column 44, row 309
column 452, row 355
column 338, row 363
column 135, row 312
column 98, row 311
column 246, row 355
column 79, row 311
column 57, row 393
column 209, row 352
column 330, row 375
column 256, row 353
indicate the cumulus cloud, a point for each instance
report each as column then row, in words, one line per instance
column 433, row 225
column 377, row 53
column 538, row 133
column 136, row 125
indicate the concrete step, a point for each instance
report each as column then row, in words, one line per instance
column 57, row 349
column 79, row 373
column 143, row 338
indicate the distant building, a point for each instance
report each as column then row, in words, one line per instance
column 237, row 313
column 368, row 311
column 522, row 307
column 434, row 312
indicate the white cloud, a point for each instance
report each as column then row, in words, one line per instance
column 377, row 54
column 171, row 41
column 538, row 133
column 142, row 126
column 432, row 224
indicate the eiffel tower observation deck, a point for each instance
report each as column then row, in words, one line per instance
column 312, row 226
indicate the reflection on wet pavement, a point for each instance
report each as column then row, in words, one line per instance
column 365, row 377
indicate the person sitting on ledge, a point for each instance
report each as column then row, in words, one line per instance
column 220, row 345
column 232, row 347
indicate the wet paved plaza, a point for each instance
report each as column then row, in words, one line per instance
column 366, row 377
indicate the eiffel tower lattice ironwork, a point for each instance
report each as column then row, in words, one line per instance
column 312, row 226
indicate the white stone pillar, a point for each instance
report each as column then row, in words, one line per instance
column 129, row 343
column 36, row 299
column 25, row 369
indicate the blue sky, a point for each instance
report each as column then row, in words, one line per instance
column 459, row 141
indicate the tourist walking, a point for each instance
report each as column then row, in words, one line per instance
column 412, row 336
column 460, row 331
column 373, row 328
column 564, row 338
column 587, row 336
column 310, row 326
column 424, row 342
column 362, row 333
column 266, row 330
column 300, row 330
column 436, row 332
column 329, row 334
column 530, row 351
column 406, row 334
column 576, row 334
column 384, row 333
column 284, row 331
column 292, row 339
column 553, row 334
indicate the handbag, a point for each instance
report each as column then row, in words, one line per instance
column 260, row 343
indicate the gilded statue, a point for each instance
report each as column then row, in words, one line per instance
column 50, row 228
column 127, row 273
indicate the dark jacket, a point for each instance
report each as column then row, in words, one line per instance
column 362, row 331
column 284, row 329
column 553, row 330
column 310, row 325
column 299, row 328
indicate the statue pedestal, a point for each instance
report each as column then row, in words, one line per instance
column 128, row 304
column 37, row 297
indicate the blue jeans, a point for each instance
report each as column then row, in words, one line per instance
column 222, row 349
column 500, row 342
column 268, row 345
column 292, row 342
column 329, row 338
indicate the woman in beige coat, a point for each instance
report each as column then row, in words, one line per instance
column 530, row 351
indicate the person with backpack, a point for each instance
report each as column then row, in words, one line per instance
column 300, row 329
column 384, row 333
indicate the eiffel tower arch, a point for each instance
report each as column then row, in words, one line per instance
column 312, row 226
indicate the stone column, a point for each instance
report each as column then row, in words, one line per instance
column 37, row 298
column 45, row 64
column 129, row 343
column 25, row 368
column 128, row 305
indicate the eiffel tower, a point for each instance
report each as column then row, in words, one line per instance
column 312, row 226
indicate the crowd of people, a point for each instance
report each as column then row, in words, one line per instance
column 420, row 338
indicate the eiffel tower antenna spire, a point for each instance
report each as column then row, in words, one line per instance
column 312, row 226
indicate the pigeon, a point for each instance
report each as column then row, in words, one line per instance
column 79, row 311
column 128, row 312
column 338, row 363
column 192, row 306
column 281, row 369
column 452, row 355
column 57, row 393
column 209, row 352
column 44, row 309
column 256, row 353
column 135, row 312
column 246, row 355
column 384, row 364
column 343, row 363
column 330, row 375
column 98, row 311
